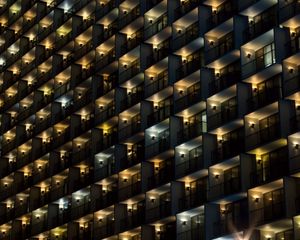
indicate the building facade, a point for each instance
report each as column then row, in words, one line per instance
column 150, row 119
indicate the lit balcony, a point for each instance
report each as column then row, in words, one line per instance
column 162, row 172
column 230, row 144
column 155, row 82
column 224, row 179
column 134, row 214
column 105, row 108
column 264, row 93
column 265, row 125
column 189, row 159
column 222, row 43
column 129, row 183
column 186, row 30
column 222, row 108
column 158, row 203
column 156, row 20
column 104, row 223
column 260, row 22
column 108, row 190
column 128, row 15
column 261, row 57
column 195, row 191
column 232, row 217
column 190, row 224
column 270, row 166
column 185, row 7
column 190, row 64
column 225, row 78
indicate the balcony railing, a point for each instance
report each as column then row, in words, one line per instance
column 223, row 13
column 132, row 41
column 264, row 98
column 105, row 230
column 188, row 166
column 228, row 226
column 185, row 7
column 275, row 210
column 291, row 86
column 129, row 130
column 224, row 116
column 159, row 146
column 129, row 17
column 189, row 99
column 231, row 186
column 130, row 72
column 264, row 24
column 191, row 33
column 163, row 176
column 290, row 9
column 220, row 49
column 129, row 191
column 189, row 67
column 193, row 130
column 223, row 82
column 159, row 212
column 263, row 136
column 193, row 200
column 259, row 63
column 105, row 114
column 158, row 84
column 159, row 115
column 155, row 27
column 196, row 233
column 132, row 99
column 135, row 219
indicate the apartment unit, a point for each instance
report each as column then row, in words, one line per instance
column 150, row 119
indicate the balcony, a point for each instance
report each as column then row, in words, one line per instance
column 223, row 12
column 193, row 163
column 155, row 27
column 134, row 218
column 263, row 98
column 220, row 48
column 105, row 60
column 129, row 17
column 191, row 33
column 193, row 199
column 104, row 114
column 231, row 145
column 130, row 190
column 135, row 96
column 130, row 72
column 132, row 41
column 289, row 10
column 224, row 81
column 159, row 212
column 225, row 226
column 157, row 84
column 185, row 7
column 161, row 176
column 105, row 230
column 103, row 9
column 226, row 115
column 159, row 115
column 193, row 96
column 191, row 131
column 228, row 187
column 273, row 211
column 159, row 146
column 263, row 136
column 194, row 62
column 291, row 86
column 196, row 233
column 133, row 127
column 261, row 61
column 272, row 166
column 265, row 22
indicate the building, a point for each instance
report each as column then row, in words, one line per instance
column 150, row 119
